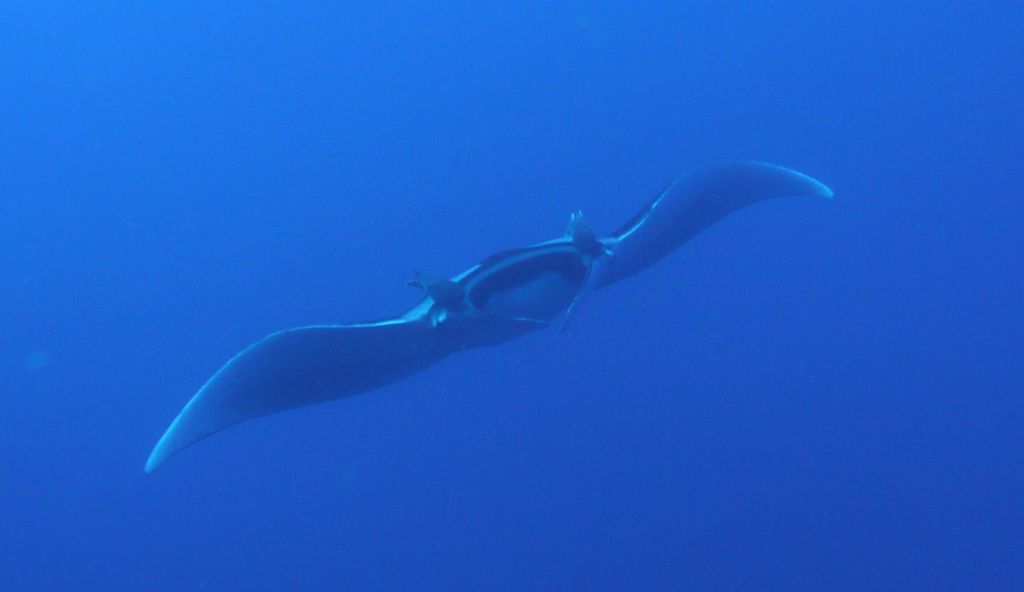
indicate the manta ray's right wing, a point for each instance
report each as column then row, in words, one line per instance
column 697, row 199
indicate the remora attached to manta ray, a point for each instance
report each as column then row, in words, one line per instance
column 506, row 295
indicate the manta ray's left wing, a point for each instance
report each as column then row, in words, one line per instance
column 300, row 367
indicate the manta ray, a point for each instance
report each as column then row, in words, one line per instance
column 508, row 294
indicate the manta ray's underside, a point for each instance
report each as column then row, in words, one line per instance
column 506, row 295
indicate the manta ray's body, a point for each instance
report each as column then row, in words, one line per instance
column 506, row 295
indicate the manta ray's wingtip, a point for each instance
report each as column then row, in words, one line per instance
column 798, row 183
column 151, row 464
column 817, row 188
column 164, row 448
column 154, row 460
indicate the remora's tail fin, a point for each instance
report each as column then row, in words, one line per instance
column 697, row 199
column 300, row 367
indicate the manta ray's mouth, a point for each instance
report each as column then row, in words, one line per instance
column 538, row 287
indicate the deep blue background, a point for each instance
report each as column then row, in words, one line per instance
column 812, row 395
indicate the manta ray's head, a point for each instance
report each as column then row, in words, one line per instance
column 536, row 285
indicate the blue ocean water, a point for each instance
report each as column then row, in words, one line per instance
column 811, row 395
